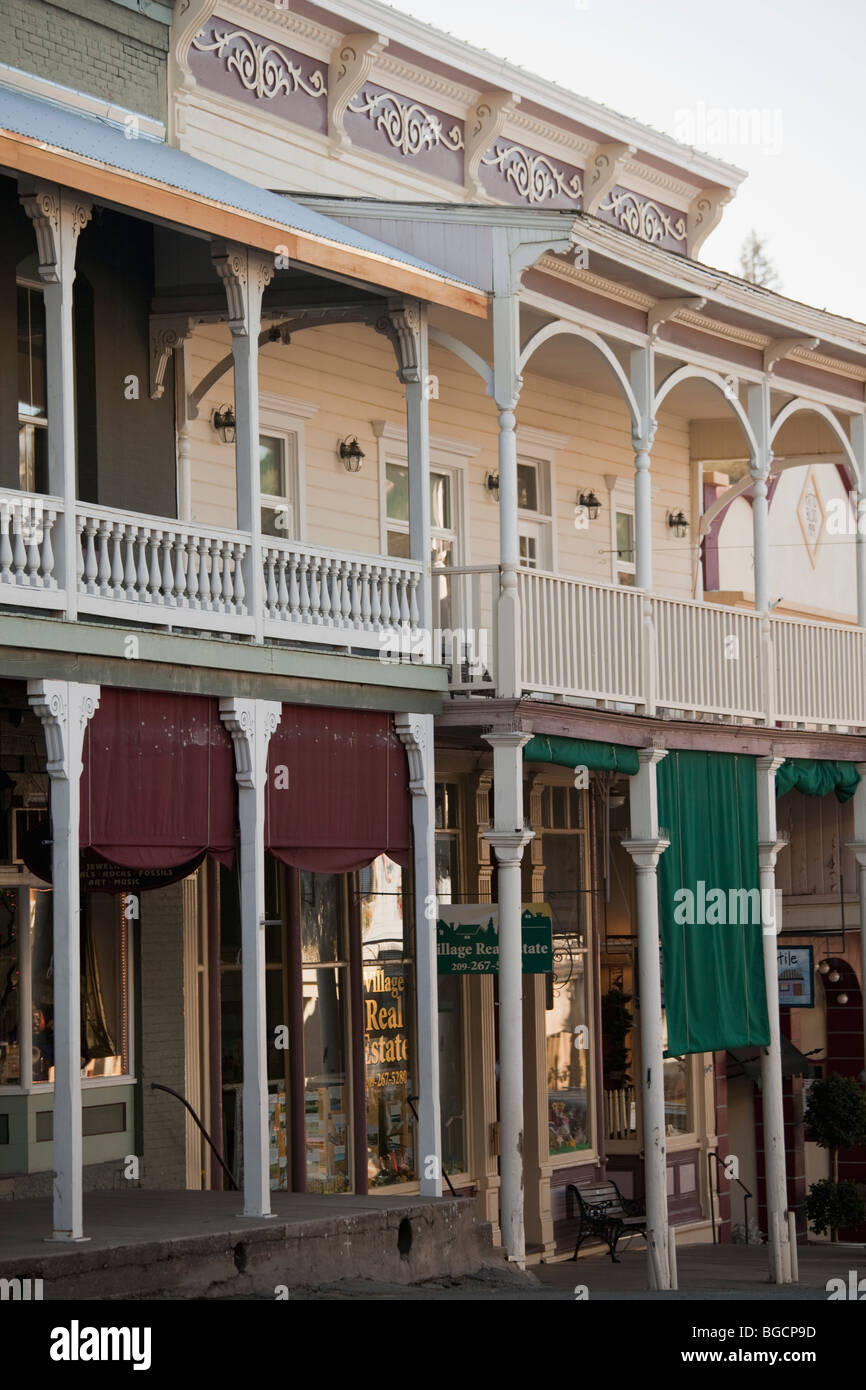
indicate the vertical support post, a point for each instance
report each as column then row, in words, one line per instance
column 858, row 848
column 58, row 216
column 251, row 723
column 642, row 374
column 646, row 847
column 858, row 444
column 507, row 384
column 406, row 326
column 416, row 733
column 245, row 274
column 65, row 707
column 769, row 845
column 508, row 838
column 758, row 406
column 182, row 430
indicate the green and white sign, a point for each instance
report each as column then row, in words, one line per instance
column 467, row 939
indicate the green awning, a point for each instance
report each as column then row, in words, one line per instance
column 710, row 903
column 816, row 777
column 578, row 752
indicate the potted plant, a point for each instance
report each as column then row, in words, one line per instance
column 835, row 1117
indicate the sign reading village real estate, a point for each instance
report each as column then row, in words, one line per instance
column 467, row 939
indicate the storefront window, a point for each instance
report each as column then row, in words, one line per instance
column 387, row 994
column 678, row 1116
column 617, row 1058
column 567, row 1019
column 568, row 1055
column 26, row 945
column 327, row 1093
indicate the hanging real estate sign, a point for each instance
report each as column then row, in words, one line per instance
column 796, row 977
column 467, row 939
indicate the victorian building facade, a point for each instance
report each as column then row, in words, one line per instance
column 390, row 463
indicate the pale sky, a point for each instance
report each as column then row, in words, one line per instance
column 800, row 66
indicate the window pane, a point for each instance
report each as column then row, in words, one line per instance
column 446, row 805
column 14, row 904
column 528, row 552
column 527, row 487
column 326, row 1089
column 398, row 544
column 563, row 882
column 625, row 537
column 626, row 578
column 320, row 917
column 446, row 867
column 382, row 926
column 33, row 457
column 31, row 353
column 441, row 552
column 440, row 501
column 272, row 469
column 397, row 492
column 567, row 1064
column 676, row 1079
column 390, row 1123
column 103, row 970
column 451, row 1089
column 42, row 981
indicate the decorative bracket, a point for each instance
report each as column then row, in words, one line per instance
column 244, row 274
column 402, row 324
column 603, row 171
column 783, row 347
column 665, row 309
column 413, row 732
column 167, row 332
column 704, row 215
column 58, row 216
column 350, row 66
column 250, row 723
column 64, row 708
column 484, row 124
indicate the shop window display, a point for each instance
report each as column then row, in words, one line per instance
column 387, row 995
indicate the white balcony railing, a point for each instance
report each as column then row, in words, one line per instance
column 601, row 645
column 167, row 574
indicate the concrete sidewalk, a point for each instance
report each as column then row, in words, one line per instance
column 145, row 1244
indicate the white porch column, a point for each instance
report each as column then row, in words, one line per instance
column 507, row 384
column 758, row 405
column 251, row 723
column 58, row 216
column 406, row 326
column 858, row 847
column 64, row 708
column 646, row 847
column 860, row 553
column 245, row 274
column 769, row 845
column 508, row 837
column 642, row 374
column 416, row 733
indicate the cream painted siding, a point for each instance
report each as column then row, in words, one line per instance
column 349, row 373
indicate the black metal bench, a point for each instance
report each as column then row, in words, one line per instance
column 604, row 1212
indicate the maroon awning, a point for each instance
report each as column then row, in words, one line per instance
column 338, row 790
column 158, row 787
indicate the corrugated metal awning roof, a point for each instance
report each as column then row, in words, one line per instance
column 96, row 156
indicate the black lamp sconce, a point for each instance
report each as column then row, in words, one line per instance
column 491, row 482
column 351, row 454
column 678, row 523
column 225, row 424
column 590, row 504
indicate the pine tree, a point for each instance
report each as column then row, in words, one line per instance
column 755, row 264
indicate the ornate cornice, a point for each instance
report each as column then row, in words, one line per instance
column 407, row 126
column 642, row 218
column 534, row 176
column 263, row 68
column 624, row 294
column 658, row 180
column 411, row 76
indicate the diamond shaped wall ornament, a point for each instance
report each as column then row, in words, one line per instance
column 812, row 516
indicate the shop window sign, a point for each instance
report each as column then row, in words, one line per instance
column 467, row 939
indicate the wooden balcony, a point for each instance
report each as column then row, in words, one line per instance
column 169, row 574
column 616, row 648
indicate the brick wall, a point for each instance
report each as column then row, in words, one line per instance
column 95, row 46
column 162, row 1034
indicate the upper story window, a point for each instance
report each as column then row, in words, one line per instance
column 622, row 549
column 443, row 531
column 278, row 481
column 32, row 396
column 534, row 520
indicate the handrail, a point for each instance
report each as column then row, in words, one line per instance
column 156, row 1086
column 713, row 1153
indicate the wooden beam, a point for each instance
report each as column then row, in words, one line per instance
column 193, row 212
column 461, row 721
